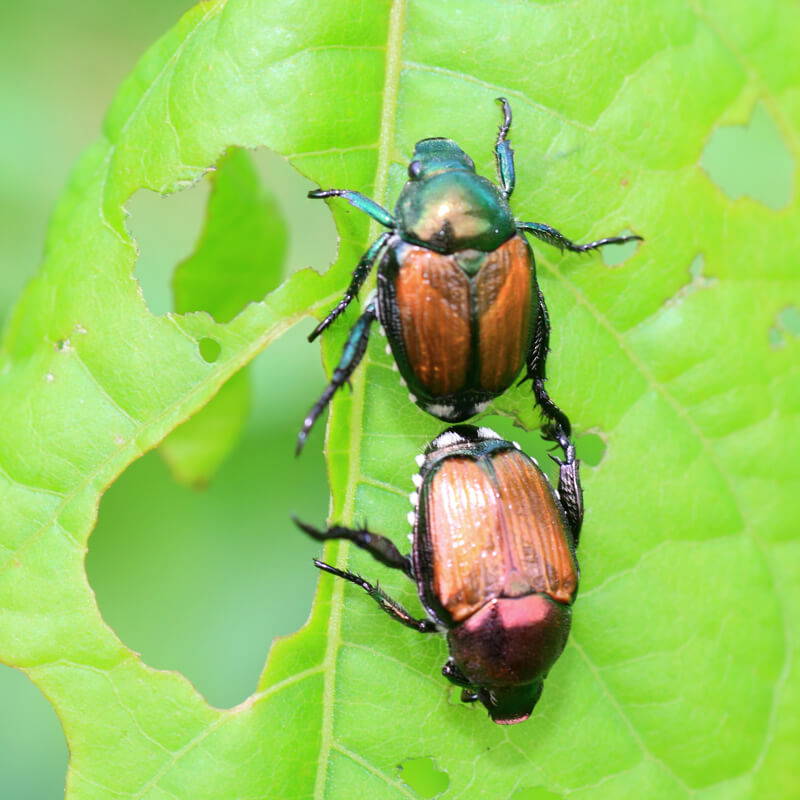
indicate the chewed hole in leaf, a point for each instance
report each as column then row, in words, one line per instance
column 33, row 753
column 591, row 447
column 615, row 254
column 789, row 320
column 787, row 323
column 423, row 776
column 230, row 239
column 751, row 160
column 202, row 582
column 236, row 258
column 697, row 280
column 312, row 237
column 166, row 229
column 210, row 349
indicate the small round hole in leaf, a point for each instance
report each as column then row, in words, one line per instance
column 209, row 349
column 591, row 448
column 789, row 320
column 615, row 254
column 424, row 777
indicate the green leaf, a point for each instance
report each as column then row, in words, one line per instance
column 195, row 450
column 681, row 676
column 238, row 260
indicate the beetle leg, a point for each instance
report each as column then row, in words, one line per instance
column 391, row 607
column 503, row 154
column 454, row 674
column 569, row 482
column 379, row 547
column 351, row 357
column 361, row 202
column 537, row 356
column 360, row 274
column 557, row 239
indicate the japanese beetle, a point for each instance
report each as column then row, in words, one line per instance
column 493, row 557
column 457, row 295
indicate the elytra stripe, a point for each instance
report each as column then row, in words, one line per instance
column 539, row 557
column 433, row 301
column 504, row 311
column 462, row 523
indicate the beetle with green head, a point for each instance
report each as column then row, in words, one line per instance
column 457, row 295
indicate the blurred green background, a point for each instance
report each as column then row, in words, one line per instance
column 212, row 617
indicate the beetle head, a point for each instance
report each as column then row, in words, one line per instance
column 508, row 705
column 432, row 156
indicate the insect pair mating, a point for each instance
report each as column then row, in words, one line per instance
column 493, row 551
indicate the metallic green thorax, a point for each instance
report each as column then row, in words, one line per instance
column 446, row 206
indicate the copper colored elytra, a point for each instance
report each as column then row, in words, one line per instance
column 493, row 559
column 444, row 311
column 495, row 531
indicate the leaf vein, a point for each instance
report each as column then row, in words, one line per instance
column 395, row 32
column 379, row 773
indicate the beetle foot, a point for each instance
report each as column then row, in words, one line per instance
column 555, row 433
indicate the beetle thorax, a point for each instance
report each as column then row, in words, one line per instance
column 454, row 210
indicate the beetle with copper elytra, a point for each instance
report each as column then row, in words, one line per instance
column 457, row 294
column 493, row 558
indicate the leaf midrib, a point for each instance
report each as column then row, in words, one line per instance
column 394, row 40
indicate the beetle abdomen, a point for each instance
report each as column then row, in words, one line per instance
column 493, row 529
